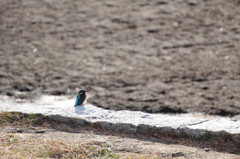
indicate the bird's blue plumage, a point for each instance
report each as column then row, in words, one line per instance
column 76, row 102
column 80, row 99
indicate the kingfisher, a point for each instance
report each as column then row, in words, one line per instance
column 81, row 97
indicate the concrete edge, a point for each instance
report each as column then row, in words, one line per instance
column 221, row 141
column 153, row 131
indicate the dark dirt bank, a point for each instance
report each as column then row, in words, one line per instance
column 149, row 55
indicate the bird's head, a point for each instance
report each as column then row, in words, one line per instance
column 83, row 91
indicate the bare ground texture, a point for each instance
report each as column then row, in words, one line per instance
column 36, row 136
column 58, row 144
column 148, row 55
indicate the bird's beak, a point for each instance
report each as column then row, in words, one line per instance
column 88, row 91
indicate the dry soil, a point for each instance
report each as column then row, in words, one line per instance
column 148, row 55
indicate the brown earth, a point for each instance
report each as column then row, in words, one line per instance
column 153, row 56
column 45, row 143
column 38, row 136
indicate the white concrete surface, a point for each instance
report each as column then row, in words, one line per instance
column 60, row 105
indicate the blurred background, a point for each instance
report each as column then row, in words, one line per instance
column 155, row 56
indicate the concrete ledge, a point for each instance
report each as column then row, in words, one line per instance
column 195, row 126
column 214, row 139
column 217, row 140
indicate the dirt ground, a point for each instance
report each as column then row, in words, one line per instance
column 123, row 146
column 148, row 55
column 51, row 140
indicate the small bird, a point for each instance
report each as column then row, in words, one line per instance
column 81, row 97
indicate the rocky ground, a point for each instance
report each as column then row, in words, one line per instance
column 35, row 136
column 153, row 56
